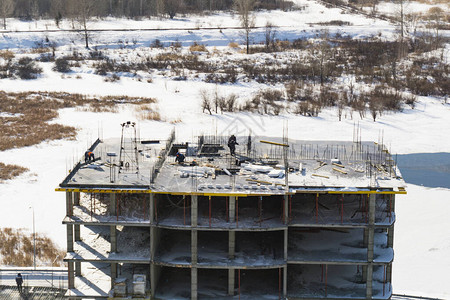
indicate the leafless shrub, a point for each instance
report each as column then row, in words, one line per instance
column 26, row 68
column 198, row 47
column 206, row 101
column 6, row 54
column 147, row 112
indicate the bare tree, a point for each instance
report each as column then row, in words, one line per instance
column 247, row 19
column 172, row 7
column 270, row 35
column 6, row 8
column 83, row 10
column 436, row 15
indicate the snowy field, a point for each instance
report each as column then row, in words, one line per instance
column 422, row 236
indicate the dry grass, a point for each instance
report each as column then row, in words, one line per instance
column 197, row 48
column 147, row 112
column 16, row 249
column 6, row 54
column 10, row 171
column 233, row 45
column 26, row 115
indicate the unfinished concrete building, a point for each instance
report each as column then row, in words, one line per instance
column 280, row 219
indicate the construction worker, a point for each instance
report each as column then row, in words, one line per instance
column 232, row 144
column 179, row 158
column 89, row 156
column 19, row 281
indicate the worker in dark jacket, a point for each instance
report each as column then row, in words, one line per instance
column 232, row 144
column 19, row 282
column 179, row 158
column 89, row 156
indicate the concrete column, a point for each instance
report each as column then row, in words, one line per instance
column 232, row 209
column 370, row 246
column 369, row 281
column 69, row 204
column 71, row 277
column 78, row 268
column 77, row 234
column 285, row 245
column 69, row 238
column 155, row 234
column 286, row 209
column 155, row 272
column 285, row 282
column 76, row 198
column 370, row 233
column 194, row 283
column 194, row 240
column 231, row 279
column 194, row 210
column 113, row 238
column 152, row 208
column 113, row 274
column 112, row 204
column 231, row 244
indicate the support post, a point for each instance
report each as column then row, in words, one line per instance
column 76, row 198
column 286, row 209
column 285, row 282
column 152, row 208
column 77, row 234
column 78, row 268
column 113, row 238
column 370, row 246
column 194, row 210
column 69, row 204
column 231, row 244
column 71, row 277
column 231, row 279
column 113, row 274
column 194, row 240
column 155, row 272
column 231, row 208
column 194, row 283
column 69, row 238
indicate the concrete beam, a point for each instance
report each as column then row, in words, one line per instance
column 113, row 238
column 194, row 283
column 231, row 244
column 231, row 280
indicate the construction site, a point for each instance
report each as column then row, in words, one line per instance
column 274, row 218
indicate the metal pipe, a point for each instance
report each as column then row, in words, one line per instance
column 210, row 211
column 317, row 207
column 184, row 210
column 279, row 283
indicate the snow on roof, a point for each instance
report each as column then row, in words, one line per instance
column 258, row 168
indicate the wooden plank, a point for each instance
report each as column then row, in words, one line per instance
column 323, row 176
column 340, row 171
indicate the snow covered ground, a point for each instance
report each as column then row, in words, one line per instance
column 422, row 237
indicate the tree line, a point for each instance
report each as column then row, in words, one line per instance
column 58, row 9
